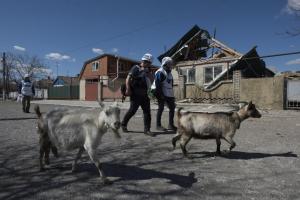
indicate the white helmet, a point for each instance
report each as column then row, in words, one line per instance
column 26, row 76
column 148, row 57
column 166, row 61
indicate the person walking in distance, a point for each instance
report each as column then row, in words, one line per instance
column 163, row 84
column 137, row 85
column 26, row 89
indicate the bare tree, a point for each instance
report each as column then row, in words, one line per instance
column 21, row 64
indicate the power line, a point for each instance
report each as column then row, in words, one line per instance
column 119, row 35
column 220, row 60
column 279, row 54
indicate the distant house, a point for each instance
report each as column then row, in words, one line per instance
column 44, row 83
column 64, row 87
column 100, row 77
column 65, row 81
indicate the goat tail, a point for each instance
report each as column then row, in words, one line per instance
column 178, row 112
column 37, row 111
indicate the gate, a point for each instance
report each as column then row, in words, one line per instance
column 91, row 90
column 293, row 94
column 64, row 92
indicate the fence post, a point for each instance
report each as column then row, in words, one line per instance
column 4, row 77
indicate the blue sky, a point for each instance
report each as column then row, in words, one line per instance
column 69, row 32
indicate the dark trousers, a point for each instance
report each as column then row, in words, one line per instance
column 26, row 103
column 135, row 103
column 170, row 101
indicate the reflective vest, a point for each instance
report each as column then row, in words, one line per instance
column 167, row 84
column 26, row 88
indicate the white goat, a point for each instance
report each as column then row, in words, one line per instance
column 81, row 129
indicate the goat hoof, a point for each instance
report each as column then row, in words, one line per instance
column 106, row 181
column 226, row 152
column 47, row 162
column 74, row 169
column 217, row 154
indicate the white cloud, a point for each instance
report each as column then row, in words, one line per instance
column 16, row 47
column 115, row 50
column 98, row 51
column 292, row 46
column 293, row 62
column 57, row 56
column 48, row 72
column 292, row 6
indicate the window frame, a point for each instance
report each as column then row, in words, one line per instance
column 95, row 66
column 213, row 73
column 188, row 69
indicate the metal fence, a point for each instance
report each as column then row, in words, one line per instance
column 293, row 94
column 64, row 92
column 39, row 94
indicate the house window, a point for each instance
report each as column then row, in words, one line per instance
column 121, row 67
column 189, row 73
column 95, row 66
column 210, row 73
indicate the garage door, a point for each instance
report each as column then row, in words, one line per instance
column 293, row 94
column 91, row 90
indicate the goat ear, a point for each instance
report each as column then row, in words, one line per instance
column 250, row 105
column 101, row 104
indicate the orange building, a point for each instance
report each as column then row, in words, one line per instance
column 101, row 77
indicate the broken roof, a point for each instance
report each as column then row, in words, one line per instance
column 250, row 65
column 196, row 37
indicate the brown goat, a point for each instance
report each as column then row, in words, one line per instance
column 216, row 126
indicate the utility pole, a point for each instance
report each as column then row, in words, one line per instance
column 4, row 77
column 56, row 69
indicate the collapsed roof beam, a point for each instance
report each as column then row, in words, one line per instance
column 220, row 45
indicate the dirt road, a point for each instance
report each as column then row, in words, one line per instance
column 264, row 165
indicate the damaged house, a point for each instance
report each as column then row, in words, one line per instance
column 208, row 71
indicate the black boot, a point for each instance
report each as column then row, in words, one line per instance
column 149, row 133
column 161, row 128
column 172, row 127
